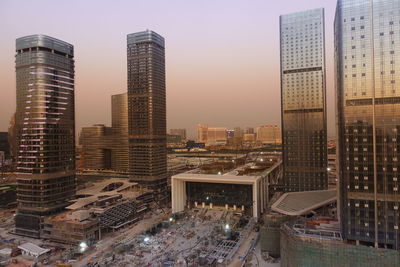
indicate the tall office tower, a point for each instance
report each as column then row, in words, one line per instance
column 45, row 130
column 119, row 122
column 202, row 130
column 147, row 109
column 367, row 49
column 302, row 45
column 107, row 147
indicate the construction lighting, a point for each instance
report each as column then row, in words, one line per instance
column 170, row 219
column 219, row 173
column 226, row 226
column 146, row 239
column 83, row 246
column 207, row 198
column 329, row 169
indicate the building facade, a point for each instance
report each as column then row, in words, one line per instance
column 216, row 136
column 302, row 46
column 202, row 131
column 45, row 130
column 367, row 50
column 180, row 132
column 106, row 148
column 269, row 134
column 147, row 109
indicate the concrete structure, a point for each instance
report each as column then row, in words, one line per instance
column 320, row 245
column 45, row 127
column 269, row 134
column 196, row 188
column 147, row 109
column 367, row 46
column 303, row 94
column 72, row 227
column 32, row 250
column 107, row 147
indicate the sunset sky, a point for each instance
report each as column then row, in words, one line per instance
column 222, row 56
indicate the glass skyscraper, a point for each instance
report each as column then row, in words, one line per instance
column 45, row 129
column 367, row 57
column 303, row 94
column 147, row 109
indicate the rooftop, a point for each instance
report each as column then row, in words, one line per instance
column 300, row 203
column 101, row 190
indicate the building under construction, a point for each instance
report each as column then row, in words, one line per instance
column 218, row 184
column 319, row 243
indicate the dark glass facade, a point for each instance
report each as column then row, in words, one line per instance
column 147, row 109
column 45, row 129
column 367, row 57
column 220, row 194
column 303, row 94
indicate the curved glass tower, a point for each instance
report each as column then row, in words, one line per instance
column 45, row 129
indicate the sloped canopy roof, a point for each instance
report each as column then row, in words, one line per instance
column 300, row 203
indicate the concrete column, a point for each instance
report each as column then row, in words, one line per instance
column 234, row 207
column 226, row 206
column 242, row 207
column 203, row 205
column 195, row 204
column 255, row 200
column 211, row 205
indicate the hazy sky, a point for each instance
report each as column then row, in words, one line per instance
column 222, row 56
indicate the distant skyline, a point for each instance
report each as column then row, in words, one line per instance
column 222, row 57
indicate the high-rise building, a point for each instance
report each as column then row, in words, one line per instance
column 45, row 130
column 202, row 131
column 216, row 136
column 180, row 132
column 269, row 134
column 302, row 45
column 119, row 122
column 367, row 49
column 147, row 109
column 107, row 147
column 238, row 132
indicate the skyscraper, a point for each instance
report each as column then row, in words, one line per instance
column 107, row 147
column 302, row 45
column 45, row 129
column 147, row 109
column 367, row 49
